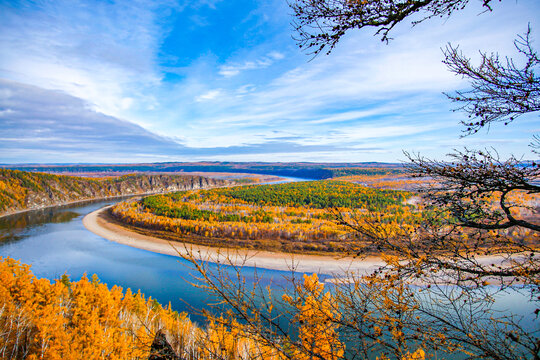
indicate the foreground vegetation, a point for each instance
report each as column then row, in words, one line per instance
column 291, row 217
column 85, row 319
column 20, row 190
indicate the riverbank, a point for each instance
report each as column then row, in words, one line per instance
column 82, row 201
column 261, row 179
column 101, row 224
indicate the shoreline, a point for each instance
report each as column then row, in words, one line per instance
column 74, row 202
column 97, row 223
column 103, row 198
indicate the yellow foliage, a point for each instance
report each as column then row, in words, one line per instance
column 317, row 316
column 79, row 320
column 212, row 218
column 419, row 354
column 67, row 320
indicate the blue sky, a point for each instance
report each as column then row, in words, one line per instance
column 133, row 81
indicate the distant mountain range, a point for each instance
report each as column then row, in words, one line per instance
column 296, row 169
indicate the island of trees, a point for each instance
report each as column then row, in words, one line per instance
column 292, row 217
column 299, row 217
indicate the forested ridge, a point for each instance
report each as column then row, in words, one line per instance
column 20, row 190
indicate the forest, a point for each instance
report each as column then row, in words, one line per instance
column 313, row 217
column 291, row 217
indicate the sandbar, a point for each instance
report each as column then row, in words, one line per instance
column 98, row 223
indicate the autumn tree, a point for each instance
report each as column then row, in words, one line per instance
column 320, row 24
column 84, row 319
column 500, row 90
column 305, row 320
column 481, row 198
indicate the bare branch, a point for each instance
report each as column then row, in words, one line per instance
column 320, row 24
column 501, row 90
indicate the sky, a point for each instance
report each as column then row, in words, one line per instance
column 149, row 81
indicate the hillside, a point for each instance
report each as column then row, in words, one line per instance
column 20, row 190
column 86, row 319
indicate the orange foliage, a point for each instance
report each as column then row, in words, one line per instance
column 40, row 319
column 317, row 316
column 83, row 319
column 219, row 220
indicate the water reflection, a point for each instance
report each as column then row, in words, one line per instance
column 54, row 241
column 12, row 226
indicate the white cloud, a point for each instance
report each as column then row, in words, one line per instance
column 126, row 103
column 276, row 55
column 354, row 115
column 210, row 95
column 108, row 60
column 244, row 89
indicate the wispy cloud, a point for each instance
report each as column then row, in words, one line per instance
column 102, row 52
column 51, row 126
column 261, row 63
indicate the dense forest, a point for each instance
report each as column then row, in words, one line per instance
column 20, row 190
column 292, row 217
column 316, row 194
column 318, row 217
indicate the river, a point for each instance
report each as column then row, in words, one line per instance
column 54, row 241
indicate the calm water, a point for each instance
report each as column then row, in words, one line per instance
column 55, row 242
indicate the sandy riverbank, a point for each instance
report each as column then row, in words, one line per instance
column 97, row 223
